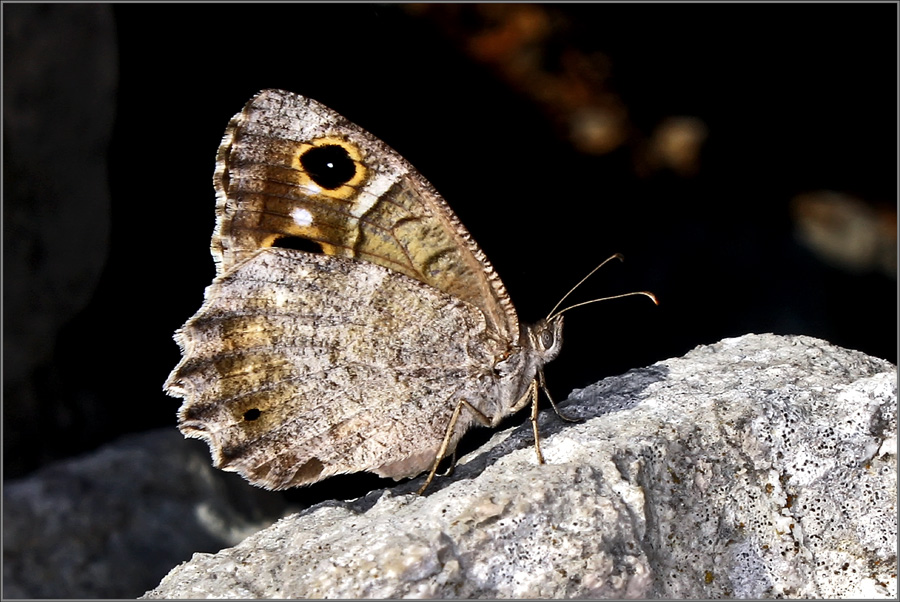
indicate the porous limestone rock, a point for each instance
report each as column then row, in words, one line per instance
column 761, row 466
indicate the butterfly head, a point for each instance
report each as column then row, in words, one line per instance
column 546, row 338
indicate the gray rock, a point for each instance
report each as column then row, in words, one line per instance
column 59, row 89
column 60, row 78
column 761, row 466
column 111, row 523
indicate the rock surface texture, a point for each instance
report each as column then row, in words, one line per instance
column 109, row 524
column 758, row 467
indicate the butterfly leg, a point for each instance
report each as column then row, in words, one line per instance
column 531, row 394
column 452, row 465
column 534, row 420
column 543, row 384
column 479, row 415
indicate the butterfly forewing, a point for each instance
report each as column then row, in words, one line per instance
column 290, row 168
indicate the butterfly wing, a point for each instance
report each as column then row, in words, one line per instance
column 292, row 172
column 300, row 366
column 349, row 349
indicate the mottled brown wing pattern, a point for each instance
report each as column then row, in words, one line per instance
column 289, row 384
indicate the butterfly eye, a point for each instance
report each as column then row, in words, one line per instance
column 330, row 166
column 547, row 339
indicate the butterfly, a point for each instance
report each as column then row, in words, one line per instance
column 353, row 324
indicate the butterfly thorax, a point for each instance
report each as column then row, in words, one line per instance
column 539, row 343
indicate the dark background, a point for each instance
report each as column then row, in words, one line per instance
column 796, row 98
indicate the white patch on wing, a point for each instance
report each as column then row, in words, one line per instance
column 371, row 194
column 302, row 217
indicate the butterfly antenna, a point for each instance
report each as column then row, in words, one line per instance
column 553, row 313
column 618, row 256
column 645, row 293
